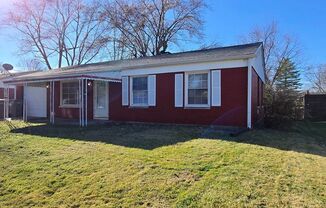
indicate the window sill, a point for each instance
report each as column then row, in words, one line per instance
column 138, row 106
column 69, row 106
column 197, row 107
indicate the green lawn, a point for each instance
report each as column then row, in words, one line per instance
column 161, row 166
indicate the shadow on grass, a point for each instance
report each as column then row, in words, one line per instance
column 128, row 135
column 305, row 137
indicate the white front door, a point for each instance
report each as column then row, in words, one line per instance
column 101, row 100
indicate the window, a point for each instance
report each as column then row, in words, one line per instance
column 139, row 95
column 197, row 89
column 69, row 93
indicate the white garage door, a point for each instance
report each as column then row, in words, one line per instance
column 36, row 101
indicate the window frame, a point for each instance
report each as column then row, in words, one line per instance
column 61, row 95
column 132, row 104
column 186, row 87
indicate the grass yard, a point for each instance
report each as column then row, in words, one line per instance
column 161, row 166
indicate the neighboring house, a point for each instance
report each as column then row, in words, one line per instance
column 7, row 93
column 12, row 94
column 220, row 86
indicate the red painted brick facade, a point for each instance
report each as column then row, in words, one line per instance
column 19, row 92
column 71, row 113
column 231, row 113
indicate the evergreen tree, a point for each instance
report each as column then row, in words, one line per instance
column 288, row 77
column 285, row 101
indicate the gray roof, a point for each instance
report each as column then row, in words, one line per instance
column 15, row 74
column 206, row 55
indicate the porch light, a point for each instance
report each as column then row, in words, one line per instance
column 89, row 83
column 47, row 86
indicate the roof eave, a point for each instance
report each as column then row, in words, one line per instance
column 75, row 72
column 72, row 77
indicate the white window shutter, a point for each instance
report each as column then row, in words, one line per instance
column 178, row 90
column 216, row 88
column 125, row 91
column 151, row 90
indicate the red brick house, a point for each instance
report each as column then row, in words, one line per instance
column 220, row 86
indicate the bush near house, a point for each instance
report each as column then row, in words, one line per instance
column 282, row 96
column 161, row 166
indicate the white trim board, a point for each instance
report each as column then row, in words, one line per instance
column 258, row 63
column 186, row 67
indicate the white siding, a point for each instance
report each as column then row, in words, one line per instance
column 179, row 68
column 152, row 90
column 216, row 88
column 125, row 91
column 258, row 64
column 178, row 90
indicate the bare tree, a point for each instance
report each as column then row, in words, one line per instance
column 63, row 32
column 317, row 77
column 149, row 27
column 277, row 48
column 213, row 44
column 116, row 48
column 282, row 63
column 32, row 64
